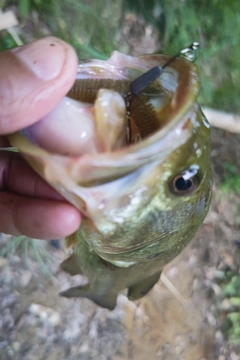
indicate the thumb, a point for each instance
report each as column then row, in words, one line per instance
column 33, row 79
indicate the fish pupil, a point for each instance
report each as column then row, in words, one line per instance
column 183, row 185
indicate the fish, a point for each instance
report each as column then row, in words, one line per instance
column 133, row 156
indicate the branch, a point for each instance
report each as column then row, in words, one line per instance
column 223, row 120
column 7, row 20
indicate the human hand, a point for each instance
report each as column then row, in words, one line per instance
column 33, row 80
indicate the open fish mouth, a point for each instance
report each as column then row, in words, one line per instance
column 159, row 117
column 105, row 148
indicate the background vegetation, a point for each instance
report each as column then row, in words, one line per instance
column 95, row 28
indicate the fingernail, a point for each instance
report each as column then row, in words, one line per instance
column 44, row 57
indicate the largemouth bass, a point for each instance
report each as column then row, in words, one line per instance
column 134, row 159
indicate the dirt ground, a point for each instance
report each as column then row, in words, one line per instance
column 179, row 324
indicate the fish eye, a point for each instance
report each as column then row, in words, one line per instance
column 185, row 183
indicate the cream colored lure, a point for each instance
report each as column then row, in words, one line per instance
column 136, row 165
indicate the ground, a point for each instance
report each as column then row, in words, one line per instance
column 183, row 324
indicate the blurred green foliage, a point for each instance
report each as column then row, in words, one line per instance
column 25, row 6
column 94, row 28
column 88, row 26
column 215, row 23
column 231, row 292
column 231, row 178
column 6, row 41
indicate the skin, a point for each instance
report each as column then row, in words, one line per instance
column 30, row 87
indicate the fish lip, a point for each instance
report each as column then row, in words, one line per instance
column 90, row 169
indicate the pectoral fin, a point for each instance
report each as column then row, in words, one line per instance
column 143, row 287
column 71, row 265
column 105, row 300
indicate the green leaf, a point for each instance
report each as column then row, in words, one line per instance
column 24, row 8
column 235, row 318
column 233, row 287
column 235, row 301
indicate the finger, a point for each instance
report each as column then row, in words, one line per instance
column 17, row 176
column 33, row 79
column 37, row 218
